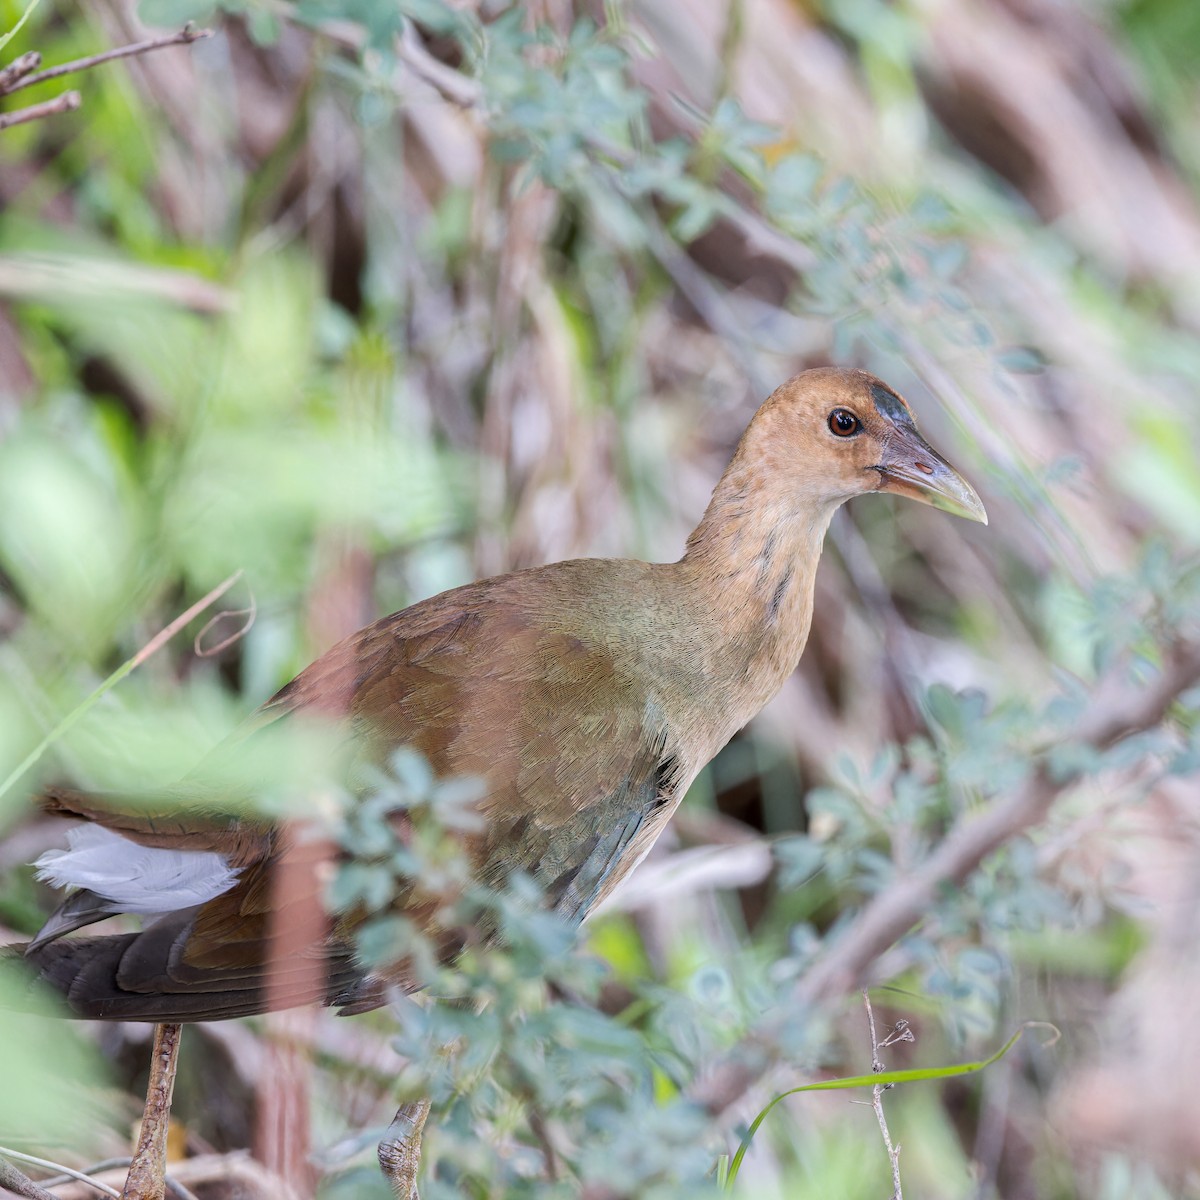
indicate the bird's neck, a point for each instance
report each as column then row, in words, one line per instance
column 750, row 567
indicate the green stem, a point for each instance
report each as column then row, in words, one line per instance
column 884, row 1077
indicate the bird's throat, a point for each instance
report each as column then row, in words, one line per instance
column 752, row 563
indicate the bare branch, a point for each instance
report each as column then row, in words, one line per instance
column 234, row 1173
column 450, row 84
column 67, row 1174
column 30, row 276
column 21, row 73
column 1116, row 710
column 18, row 69
column 184, row 37
column 163, row 636
column 67, row 102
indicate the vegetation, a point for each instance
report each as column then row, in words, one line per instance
column 364, row 300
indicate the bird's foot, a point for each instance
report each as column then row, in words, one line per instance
column 400, row 1149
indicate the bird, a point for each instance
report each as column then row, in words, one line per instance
column 584, row 695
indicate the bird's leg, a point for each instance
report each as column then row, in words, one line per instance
column 147, row 1179
column 400, row 1149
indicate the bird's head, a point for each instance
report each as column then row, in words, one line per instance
column 834, row 434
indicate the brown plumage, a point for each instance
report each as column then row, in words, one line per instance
column 586, row 695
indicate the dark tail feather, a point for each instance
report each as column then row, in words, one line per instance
column 85, row 972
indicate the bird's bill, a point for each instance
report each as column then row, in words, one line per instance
column 911, row 467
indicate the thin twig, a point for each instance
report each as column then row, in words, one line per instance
column 541, row 1131
column 18, row 69
column 877, row 1101
column 50, row 1166
column 184, row 37
column 31, row 276
column 176, row 1189
column 67, row 102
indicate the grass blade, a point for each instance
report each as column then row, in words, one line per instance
column 910, row 1075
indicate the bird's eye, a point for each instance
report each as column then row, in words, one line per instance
column 843, row 423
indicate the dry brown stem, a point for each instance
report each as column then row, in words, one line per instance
column 297, row 922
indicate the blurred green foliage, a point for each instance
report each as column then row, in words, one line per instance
column 50, row 1069
column 202, row 403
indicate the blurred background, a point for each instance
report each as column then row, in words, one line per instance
column 366, row 300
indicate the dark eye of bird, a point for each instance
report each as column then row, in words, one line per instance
column 843, row 423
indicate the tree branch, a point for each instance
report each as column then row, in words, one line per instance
column 17, row 70
column 183, row 37
column 22, row 73
column 1117, row 709
column 67, row 102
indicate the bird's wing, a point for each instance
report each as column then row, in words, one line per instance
column 573, row 753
